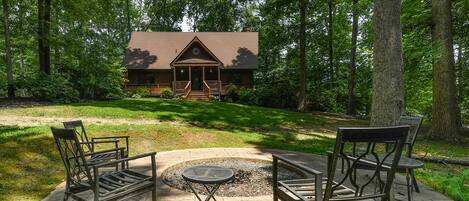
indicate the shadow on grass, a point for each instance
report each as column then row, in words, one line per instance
column 317, row 144
column 31, row 166
column 223, row 116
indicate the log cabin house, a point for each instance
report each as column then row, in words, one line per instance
column 194, row 65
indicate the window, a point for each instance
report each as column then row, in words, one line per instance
column 236, row 78
column 195, row 51
column 147, row 79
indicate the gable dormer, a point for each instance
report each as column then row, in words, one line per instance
column 196, row 54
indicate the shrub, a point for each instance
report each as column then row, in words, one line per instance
column 214, row 98
column 231, row 91
column 277, row 94
column 139, row 92
column 247, row 96
column 55, row 88
column 167, row 94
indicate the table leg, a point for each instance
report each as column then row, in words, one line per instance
column 193, row 190
column 211, row 193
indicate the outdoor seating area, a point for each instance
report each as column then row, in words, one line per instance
column 366, row 173
column 168, row 159
column 234, row 100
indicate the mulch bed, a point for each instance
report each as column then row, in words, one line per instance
column 22, row 102
column 252, row 177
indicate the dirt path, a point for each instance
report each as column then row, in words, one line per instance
column 38, row 121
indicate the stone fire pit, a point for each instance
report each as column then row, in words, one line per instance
column 252, row 177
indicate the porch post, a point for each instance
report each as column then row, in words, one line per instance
column 174, row 79
column 190, row 73
column 203, row 73
column 219, row 83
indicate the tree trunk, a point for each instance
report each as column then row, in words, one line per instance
column 22, row 70
column 21, row 48
column 460, row 70
column 129, row 29
column 388, row 85
column 302, row 67
column 9, row 68
column 445, row 114
column 331, row 50
column 43, row 35
column 353, row 53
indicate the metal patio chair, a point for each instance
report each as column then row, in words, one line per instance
column 317, row 187
column 105, row 183
column 89, row 146
column 407, row 164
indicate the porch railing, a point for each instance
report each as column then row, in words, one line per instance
column 187, row 89
column 155, row 89
column 180, row 87
column 213, row 85
column 207, row 89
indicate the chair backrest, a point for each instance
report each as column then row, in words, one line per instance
column 73, row 156
column 414, row 123
column 80, row 131
column 375, row 139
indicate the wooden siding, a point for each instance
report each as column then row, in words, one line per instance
column 162, row 79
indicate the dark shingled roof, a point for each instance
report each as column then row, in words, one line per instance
column 156, row 50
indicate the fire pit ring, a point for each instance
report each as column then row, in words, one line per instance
column 253, row 177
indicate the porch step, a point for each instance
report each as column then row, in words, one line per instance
column 197, row 95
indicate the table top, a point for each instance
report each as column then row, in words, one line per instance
column 206, row 174
column 404, row 162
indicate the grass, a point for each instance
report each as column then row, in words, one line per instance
column 31, row 167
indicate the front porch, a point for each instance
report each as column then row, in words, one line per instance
column 197, row 82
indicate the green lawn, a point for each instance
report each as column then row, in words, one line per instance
column 31, row 167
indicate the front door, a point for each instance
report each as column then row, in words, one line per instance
column 196, row 78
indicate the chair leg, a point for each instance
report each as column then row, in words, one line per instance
column 153, row 194
column 67, row 190
column 342, row 169
column 66, row 196
column 409, row 186
column 414, row 181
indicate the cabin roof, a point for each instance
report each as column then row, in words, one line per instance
column 156, row 50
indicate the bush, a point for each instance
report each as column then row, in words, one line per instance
column 167, row 94
column 139, row 92
column 231, row 91
column 247, row 96
column 278, row 94
column 214, row 98
column 53, row 88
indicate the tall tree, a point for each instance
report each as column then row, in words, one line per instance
column 445, row 114
column 330, row 34
column 43, row 35
column 165, row 15
column 302, row 67
column 353, row 61
column 11, row 87
column 388, row 85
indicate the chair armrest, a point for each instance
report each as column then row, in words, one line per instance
column 117, row 150
column 100, row 142
column 126, row 137
column 152, row 154
column 121, row 149
column 110, row 137
column 295, row 164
